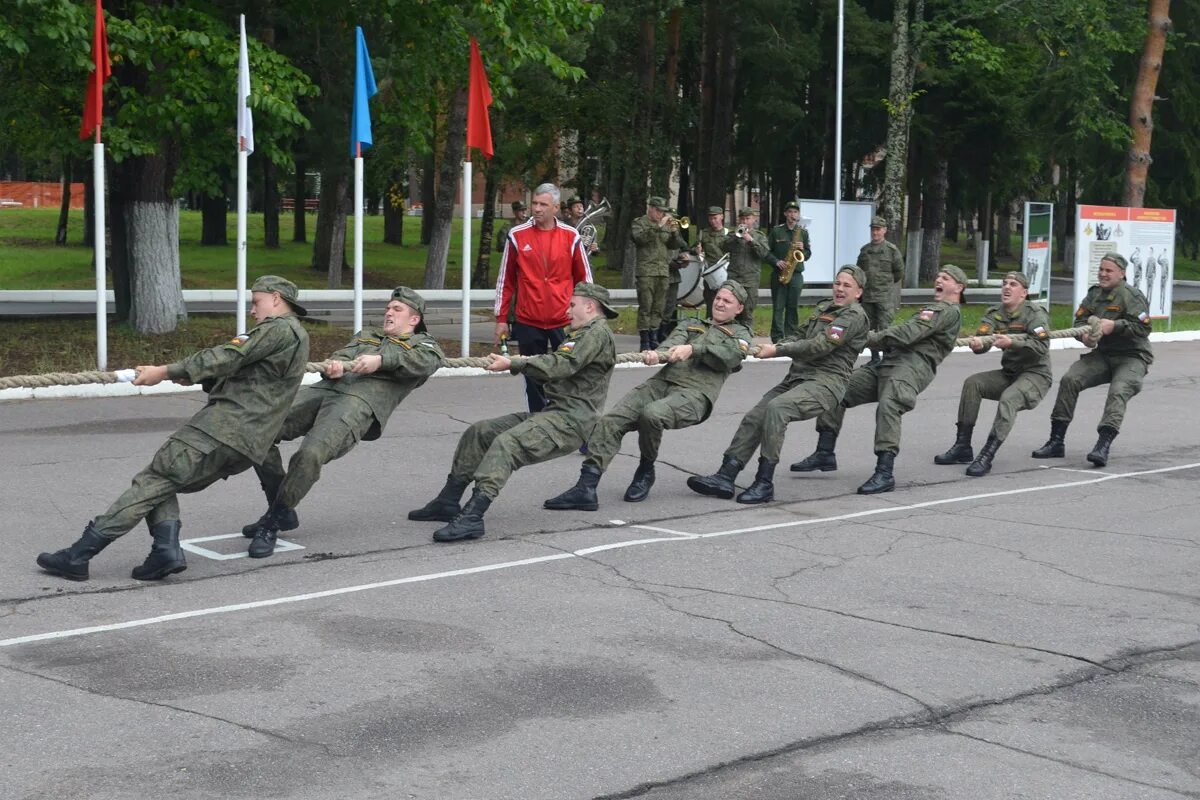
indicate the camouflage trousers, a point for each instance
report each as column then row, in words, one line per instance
column 879, row 314
column 177, row 468
column 652, row 298
column 651, row 408
column 490, row 451
column 1013, row 393
column 893, row 390
column 785, row 305
column 1123, row 374
column 765, row 425
column 331, row 424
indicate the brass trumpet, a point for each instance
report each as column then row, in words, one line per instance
column 683, row 223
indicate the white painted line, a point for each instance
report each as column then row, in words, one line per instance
column 677, row 536
column 1084, row 471
column 281, row 546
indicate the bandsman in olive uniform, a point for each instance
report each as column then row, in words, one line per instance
column 1121, row 357
column 656, row 236
column 823, row 356
column 912, row 352
column 1021, row 382
column 748, row 251
column 358, row 391
column 884, row 265
column 712, row 247
column 573, row 213
column 520, row 216
column 250, row 382
column 699, row 356
column 575, row 379
column 785, row 298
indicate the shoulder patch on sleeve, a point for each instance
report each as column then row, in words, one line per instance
column 567, row 346
column 744, row 345
column 984, row 329
column 926, row 314
column 835, row 333
column 240, row 339
column 1040, row 332
column 1144, row 317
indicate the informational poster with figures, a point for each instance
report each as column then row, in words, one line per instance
column 1145, row 236
column 1039, row 228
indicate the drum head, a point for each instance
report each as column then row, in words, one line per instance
column 691, row 283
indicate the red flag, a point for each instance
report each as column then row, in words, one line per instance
column 93, row 105
column 479, row 97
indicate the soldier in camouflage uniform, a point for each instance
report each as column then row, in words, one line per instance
column 657, row 240
column 575, row 378
column 520, row 217
column 1021, row 382
column 823, row 355
column 250, row 381
column 699, row 357
column 785, row 298
column 712, row 247
column 1120, row 358
column 747, row 254
column 884, row 265
column 912, row 352
column 360, row 388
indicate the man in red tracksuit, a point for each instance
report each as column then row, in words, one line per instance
column 543, row 260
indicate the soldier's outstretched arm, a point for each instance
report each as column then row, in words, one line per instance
column 414, row 358
column 224, row 360
column 925, row 323
column 727, row 352
column 571, row 356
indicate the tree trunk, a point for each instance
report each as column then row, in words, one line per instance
column 299, row 234
column 152, row 245
column 329, row 247
column 270, row 205
column 1003, row 237
column 213, row 225
column 428, row 198
column 118, row 253
column 64, row 208
column 913, row 227
column 452, row 156
column 1141, row 105
column 933, row 222
column 900, row 110
column 393, row 211
column 481, row 279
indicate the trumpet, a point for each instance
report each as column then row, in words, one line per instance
column 683, row 223
column 742, row 230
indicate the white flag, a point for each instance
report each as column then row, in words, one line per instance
column 245, row 123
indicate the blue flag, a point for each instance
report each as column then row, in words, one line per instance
column 364, row 89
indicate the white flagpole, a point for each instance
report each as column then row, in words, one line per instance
column 466, row 261
column 101, row 266
column 245, row 148
column 837, row 138
column 358, row 242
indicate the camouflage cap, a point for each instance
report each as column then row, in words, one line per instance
column 716, row 210
column 747, row 212
column 878, row 222
column 1117, row 259
column 519, row 205
column 574, row 200
column 594, row 291
column 658, row 202
column 791, row 204
column 1019, row 277
column 413, row 300
column 737, row 290
column 856, row 272
column 955, row 272
column 287, row 290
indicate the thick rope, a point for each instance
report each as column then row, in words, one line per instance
column 80, row 378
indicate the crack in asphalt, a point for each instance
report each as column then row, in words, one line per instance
column 1125, row 662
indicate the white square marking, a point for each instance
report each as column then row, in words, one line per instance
column 281, row 546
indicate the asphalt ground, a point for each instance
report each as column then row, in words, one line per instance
column 1030, row 634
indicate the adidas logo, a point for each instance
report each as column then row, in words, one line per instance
column 526, row 249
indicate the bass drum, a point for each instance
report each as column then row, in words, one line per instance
column 691, row 283
column 716, row 273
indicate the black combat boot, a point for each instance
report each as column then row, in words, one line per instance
column 1099, row 454
column 982, row 464
column 822, row 458
column 961, row 451
column 72, row 563
column 285, row 519
column 645, row 341
column 581, row 496
column 1055, row 446
column 720, row 484
column 882, row 480
column 643, row 479
column 652, row 338
column 444, row 507
column 469, row 523
column 763, row 488
column 166, row 556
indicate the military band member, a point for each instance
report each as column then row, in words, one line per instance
column 1120, row 357
column 699, row 356
column 520, row 217
column 748, row 250
column 657, row 238
column 712, row 246
column 785, row 298
column 351, row 403
column 250, row 382
column 884, row 265
column 912, row 352
column 573, row 215
column 575, row 378
column 1021, row 382
column 823, row 355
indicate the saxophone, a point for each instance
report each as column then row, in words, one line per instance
column 795, row 257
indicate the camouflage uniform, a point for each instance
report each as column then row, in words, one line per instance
column 678, row 395
column 1024, row 376
column 785, row 298
column 655, row 249
column 713, row 243
column 333, row 415
column 746, row 261
column 823, row 355
column 251, row 382
column 884, row 267
column 1121, row 359
column 912, row 352
column 575, row 379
